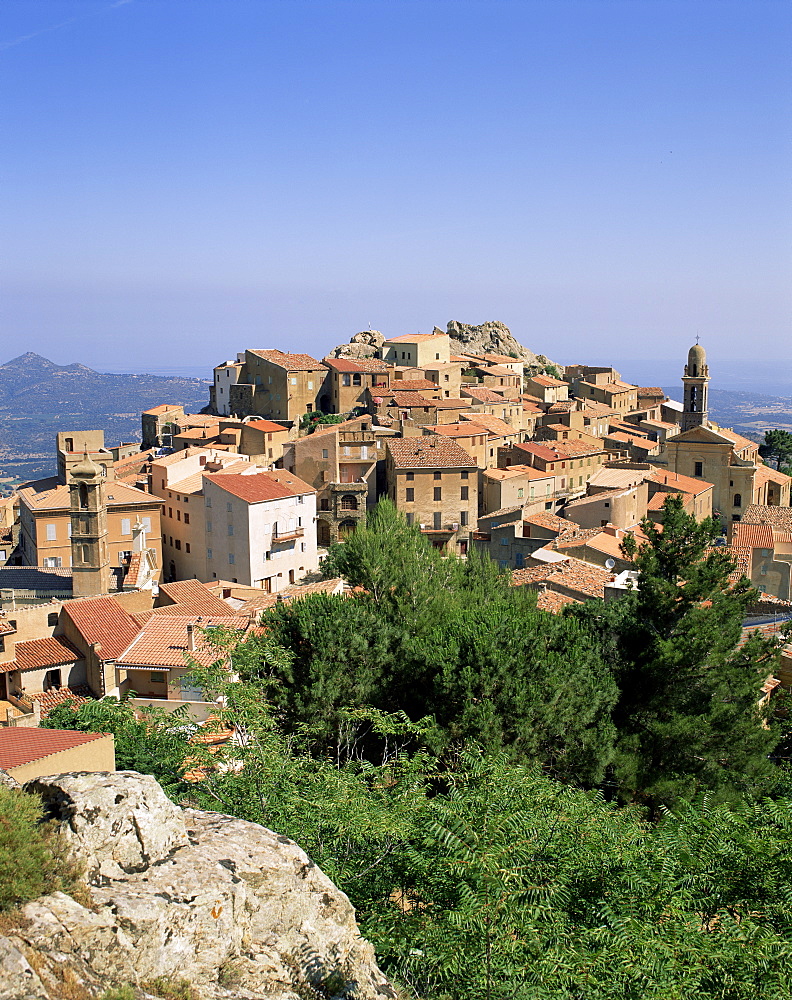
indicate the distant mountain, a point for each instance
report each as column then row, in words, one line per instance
column 39, row 398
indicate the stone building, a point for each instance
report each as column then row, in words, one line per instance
column 418, row 349
column 273, row 384
column 435, row 483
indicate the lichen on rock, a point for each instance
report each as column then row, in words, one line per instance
column 183, row 894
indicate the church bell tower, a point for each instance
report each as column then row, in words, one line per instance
column 696, row 383
column 89, row 556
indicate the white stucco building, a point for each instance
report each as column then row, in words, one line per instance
column 260, row 528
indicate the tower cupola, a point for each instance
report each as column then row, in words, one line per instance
column 696, row 384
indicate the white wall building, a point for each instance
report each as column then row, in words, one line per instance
column 260, row 528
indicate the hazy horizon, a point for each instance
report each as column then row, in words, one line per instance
column 186, row 179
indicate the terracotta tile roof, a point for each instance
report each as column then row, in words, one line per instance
column 52, row 651
column 263, row 601
column 494, row 424
column 685, row 484
column 56, row 579
column 516, row 472
column 291, row 362
column 260, row 486
column 414, row 338
column 740, row 442
column 741, row 555
column 407, row 399
column 5, row 628
column 499, row 370
column 414, row 385
column 191, row 597
column 482, row 395
column 155, row 411
column 650, row 390
column 500, row 358
column 593, row 497
column 49, row 494
column 546, row 380
column 764, row 474
column 54, row 697
column 754, row 536
column 430, row 452
column 194, row 484
column 779, row 517
column 162, row 642
column 461, row 429
column 544, row 519
column 266, row 425
column 562, row 406
column 342, row 364
column 656, row 502
column 24, row 745
column 550, row 600
column 373, row 365
column 575, row 448
column 450, row 404
column 585, row 581
column 102, row 620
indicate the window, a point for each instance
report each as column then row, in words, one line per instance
column 208, row 525
column 738, row 500
column 178, row 544
column 463, row 518
column 438, row 493
column 409, row 494
column 187, row 547
column 229, row 507
column 208, row 501
column 301, row 499
column 346, row 380
column 52, row 562
column 437, row 520
column 157, row 677
column 170, row 514
column 410, row 476
column 52, row 532
column 356, row 380
column 310, row 386
column 230, row 529
column 464, row 493
column 411, row 518
column 230, row 558
column 146, row 521
column 186, row 518
column 294, row 381
column 520, row 494
column 438, row 475
column 325, row 453
column 208, row 553
column 698, row 469
column 363, row 451
column 464, row 475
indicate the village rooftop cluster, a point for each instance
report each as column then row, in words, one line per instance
column 113, row 570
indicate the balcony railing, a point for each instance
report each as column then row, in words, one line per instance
column 287, row 536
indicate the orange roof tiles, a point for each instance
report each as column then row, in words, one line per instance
column 163, row 641
column 493, row 424
column 155, row 411
column 291, row 362
column 414, row 338
column 49, row 494
column 431, row 452
column 414, row 385
column 266, row 425
column 482, row 395
column 56, row 696
column 546, row 380
column 754, row 536
column 572, row 574
column 650, row 390
column 260, row 486
column 24, row 745
column 685, row 484
column 779, row 517
column 102, row 620
column 550, row 600
column 466, row 429
column 191, row 597
column 52, row 651
column 764, row 474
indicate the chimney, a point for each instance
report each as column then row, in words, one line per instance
column 191, row 638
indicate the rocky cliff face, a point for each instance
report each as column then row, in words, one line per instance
column 488, row 338
column 366, row 344
column 180, row 894
column 492, row 337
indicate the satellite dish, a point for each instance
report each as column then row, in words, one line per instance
column 610, row 563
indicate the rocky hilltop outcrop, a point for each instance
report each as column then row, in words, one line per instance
column 366, row 344
column 492, row 337
column 180, row 894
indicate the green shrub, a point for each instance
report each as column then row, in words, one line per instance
column 33, row 859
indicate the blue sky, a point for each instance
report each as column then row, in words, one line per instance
column 184, row 178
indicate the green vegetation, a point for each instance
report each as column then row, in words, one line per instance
column 578, row 807
column 310, row 421
column 33, row 861
column 777, row 447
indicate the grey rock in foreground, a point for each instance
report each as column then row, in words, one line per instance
column 230, row 906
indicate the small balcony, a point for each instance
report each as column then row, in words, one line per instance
column 287, row 536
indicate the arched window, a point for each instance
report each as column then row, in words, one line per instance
column 83, row 496
column 738, row 499
column 349, row 502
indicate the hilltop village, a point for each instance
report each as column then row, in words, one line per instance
column 112, row 569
